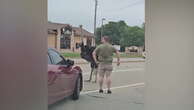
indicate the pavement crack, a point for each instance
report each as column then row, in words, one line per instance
column 138, row 103
column 94, row 96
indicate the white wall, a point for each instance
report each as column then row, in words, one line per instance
column 170, row 62
column 23, row 48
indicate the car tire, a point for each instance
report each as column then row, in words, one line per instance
column 77, row 89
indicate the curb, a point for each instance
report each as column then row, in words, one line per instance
column 113, row 62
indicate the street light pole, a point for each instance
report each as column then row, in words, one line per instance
column 95, row 16
column 81, row 30
column 102, row 26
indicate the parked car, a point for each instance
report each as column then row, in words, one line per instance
column 64, row 79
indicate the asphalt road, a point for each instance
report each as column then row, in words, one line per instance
column 128, row 91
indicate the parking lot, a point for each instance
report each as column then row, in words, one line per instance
column 127, row 87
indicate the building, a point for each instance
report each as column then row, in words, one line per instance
column 88, row 38
column 64, row 37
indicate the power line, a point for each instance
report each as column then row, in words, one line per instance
column 132, row 4
column 137, row 2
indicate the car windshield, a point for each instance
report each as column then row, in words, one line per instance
column 56, row 57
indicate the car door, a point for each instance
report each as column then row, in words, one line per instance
column 65, row 79
column 69, row 77
column 53, row 82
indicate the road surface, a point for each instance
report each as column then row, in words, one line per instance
column 128, row 91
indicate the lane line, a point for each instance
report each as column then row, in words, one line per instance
column 118, row 87
column 132, row 69
column 127, row 70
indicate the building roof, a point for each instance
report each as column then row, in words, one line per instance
column 56, row 26
column 77, row 31
column 52, row 29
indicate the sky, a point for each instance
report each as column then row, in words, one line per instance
column 81, row 12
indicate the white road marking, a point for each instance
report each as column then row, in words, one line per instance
column 132, row 69
column 119, row 87
column 125, row 70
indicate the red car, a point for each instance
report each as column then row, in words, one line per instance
column 64, row 79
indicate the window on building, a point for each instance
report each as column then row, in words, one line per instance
column 89, row 41
column 77, row 45
column 65, row 42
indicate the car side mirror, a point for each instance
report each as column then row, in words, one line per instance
column 69, row 62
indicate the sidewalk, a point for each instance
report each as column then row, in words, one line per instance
column 123, row 60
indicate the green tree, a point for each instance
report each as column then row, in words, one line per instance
column 122, row 34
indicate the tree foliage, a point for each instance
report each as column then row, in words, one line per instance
column 122, row 34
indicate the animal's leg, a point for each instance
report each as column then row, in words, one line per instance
column 90, row 78
column 92, row 69
column 95, row 75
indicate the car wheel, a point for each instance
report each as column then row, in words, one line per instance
column 76, row 92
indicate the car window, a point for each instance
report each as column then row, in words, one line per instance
column 56, row 58
column 49, row 60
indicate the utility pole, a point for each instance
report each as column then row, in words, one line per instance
column 102, row 27
column 81, row 30
column 96, row 5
